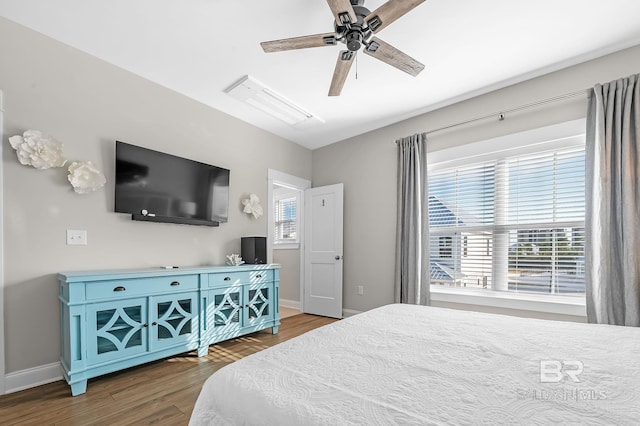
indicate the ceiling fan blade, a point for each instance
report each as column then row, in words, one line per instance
column 317, row 40
column 389, row 12
column 392, row 56
column 343, row 11
column 343, row 65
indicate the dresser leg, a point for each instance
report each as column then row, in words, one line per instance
column 274, row 330
column 203, row 350
column 78, row 388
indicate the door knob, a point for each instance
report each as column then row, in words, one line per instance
column 338, row 257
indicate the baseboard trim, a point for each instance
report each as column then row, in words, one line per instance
column 293, row 304
column 346, row 313
column 32, row 377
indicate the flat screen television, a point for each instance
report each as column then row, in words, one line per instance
column 159, row 187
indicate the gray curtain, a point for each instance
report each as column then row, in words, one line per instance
column 612, row 251
column 412, row 230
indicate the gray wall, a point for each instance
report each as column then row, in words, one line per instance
column 87, row 104
column 366, row 164
column 289, row 273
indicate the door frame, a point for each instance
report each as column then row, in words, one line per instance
column 294, row 182
column 2, row 357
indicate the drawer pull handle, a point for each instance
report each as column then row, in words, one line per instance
column 175, row 283
column 227, row 278
column 145, row 325
column 119, row 288
column 259, row 276
column 154, row 323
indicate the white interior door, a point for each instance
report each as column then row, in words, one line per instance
column 323, row 251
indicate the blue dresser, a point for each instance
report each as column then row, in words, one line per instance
column 111, row 320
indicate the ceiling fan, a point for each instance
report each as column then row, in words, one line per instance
column 354, row 26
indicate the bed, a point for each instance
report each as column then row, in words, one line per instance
column 417, row 365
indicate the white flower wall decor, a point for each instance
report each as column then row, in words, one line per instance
column 84, row 177
column 252, row 206
column 38, row 150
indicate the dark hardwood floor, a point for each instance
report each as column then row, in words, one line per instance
column 160, row 393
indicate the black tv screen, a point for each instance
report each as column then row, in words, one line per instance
column 156, row 186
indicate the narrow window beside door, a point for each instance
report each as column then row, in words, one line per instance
column 285, row 207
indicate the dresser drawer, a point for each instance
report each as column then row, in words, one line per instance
column 243, row 277
column 115, row 289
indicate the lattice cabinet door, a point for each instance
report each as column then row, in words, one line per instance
column 258, row 303
column 224, row 313
column 116, row 329
column 173, row 320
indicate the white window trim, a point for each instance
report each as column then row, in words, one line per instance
column 554, row 304
column 280, row 178
column 286, row 246
column 563, row 135
column 559, row 136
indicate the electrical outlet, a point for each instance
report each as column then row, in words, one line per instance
column 76, row 237
column 360, row 290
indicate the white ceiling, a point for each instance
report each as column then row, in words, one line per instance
column 200, row 47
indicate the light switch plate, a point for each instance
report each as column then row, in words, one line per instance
column 76, row 237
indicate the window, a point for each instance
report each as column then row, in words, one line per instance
column 286, row 218
column 285, row 214
column 513, row 221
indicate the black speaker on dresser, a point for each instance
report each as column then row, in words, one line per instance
column 253, row 250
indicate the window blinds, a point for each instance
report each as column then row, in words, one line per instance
column 514, row 223
column 285, row 220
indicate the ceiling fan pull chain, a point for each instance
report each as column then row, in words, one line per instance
column 356, row 66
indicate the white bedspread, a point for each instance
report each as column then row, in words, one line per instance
column 416, row 365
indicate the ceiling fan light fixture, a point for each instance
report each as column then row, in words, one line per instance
column 354, row 41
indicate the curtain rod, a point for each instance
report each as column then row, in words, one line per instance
column 501, row 114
